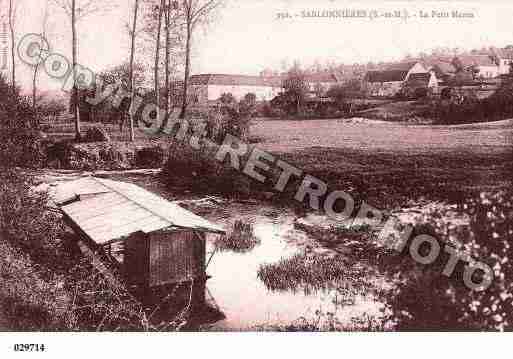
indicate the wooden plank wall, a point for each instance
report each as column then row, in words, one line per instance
column 175, row 257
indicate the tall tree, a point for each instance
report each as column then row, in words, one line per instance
column 157, row 55
column 171, row 8
column 78, row 10
column 12, row 15
column 194, row 12
column 37, row 66
column 131, row 86
column 76, row 110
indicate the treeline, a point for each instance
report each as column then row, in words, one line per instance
column 462, row 109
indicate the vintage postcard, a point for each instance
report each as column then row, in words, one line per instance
column 254, row 166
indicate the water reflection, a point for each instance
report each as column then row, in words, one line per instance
column 245, row 299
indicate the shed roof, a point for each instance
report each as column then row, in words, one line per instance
column 107, row 210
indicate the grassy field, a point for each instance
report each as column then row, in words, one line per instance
column 392, row 163
column 387, row 163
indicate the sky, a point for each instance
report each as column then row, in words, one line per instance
column 247, row 36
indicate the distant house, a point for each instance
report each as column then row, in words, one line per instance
column 421, row 83
column 504, row 59
column 443, row 69
column 482, row 66
column 322, row 81
column 205, row 88
column 390, row 81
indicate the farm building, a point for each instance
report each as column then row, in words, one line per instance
column 154, row 242
column 389, row 82
column 420, row 84
column 207, row 88
column 504, row 59
column 483, row 66
column 444, row 69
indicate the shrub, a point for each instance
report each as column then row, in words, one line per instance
column 427, row 300
column 21, row 144
column 199, row 169
column 150, row 157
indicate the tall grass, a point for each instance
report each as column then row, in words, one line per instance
column 305, row 271
column 240, row 239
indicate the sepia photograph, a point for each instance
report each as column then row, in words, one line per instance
column 198, row 170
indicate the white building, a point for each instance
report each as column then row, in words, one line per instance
column 504, row 58
column 209, row 87
column 206, row 88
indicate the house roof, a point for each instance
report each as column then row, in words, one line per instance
column 476, row 60
column 419, row 79
column 386, row 76
column 107, row 211
column 235, row 80
column 504, row 53
column 245, row 80
column 402, row 66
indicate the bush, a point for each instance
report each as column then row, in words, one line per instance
column 150, row 157
column 21, row 144
column 427, row 300
column 199, row 170
column 456, row 107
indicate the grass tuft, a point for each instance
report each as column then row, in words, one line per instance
column 240, row 240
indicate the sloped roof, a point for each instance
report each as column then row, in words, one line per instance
column 386, row 76
column 107, row 210
column 504, row 53
column 235, row 80
column 402, row 66
column 419, row 79
column 245, row 80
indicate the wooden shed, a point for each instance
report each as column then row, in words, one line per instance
column 154, row 241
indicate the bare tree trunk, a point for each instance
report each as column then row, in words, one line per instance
column 167, row 18
column 37, row 66
column 131, row 79
column 76, row 109
column 157, row 57
column 187, row 68
column 34, row 87
column 11, row 28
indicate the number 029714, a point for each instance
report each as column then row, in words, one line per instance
column 29, row 347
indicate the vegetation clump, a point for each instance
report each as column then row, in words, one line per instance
column 304, row 271
column 241, row 239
